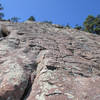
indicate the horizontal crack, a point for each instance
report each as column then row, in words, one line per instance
column 51, row 67
column 53, row 94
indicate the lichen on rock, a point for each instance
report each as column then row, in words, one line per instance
column 40, row 61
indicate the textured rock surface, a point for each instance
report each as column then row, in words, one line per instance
column 39, row 61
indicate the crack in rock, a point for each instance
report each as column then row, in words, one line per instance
column 27, row 90
column 41, row 62
column 51, row 67
column 53, row 94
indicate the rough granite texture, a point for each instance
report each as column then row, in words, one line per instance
column 40, row 61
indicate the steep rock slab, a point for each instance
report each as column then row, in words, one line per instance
column 39, row 61
column 13, row 80
column 53, row 82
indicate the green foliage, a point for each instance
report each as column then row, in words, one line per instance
column 8, row 20
column 59, row 26
column 92, row 24
column 97, row 30
column 14, row 19
column 78, row 27
column 89, row 23
column 31, row 18
column 67, row 26
column 1, row 14
column 49, row 22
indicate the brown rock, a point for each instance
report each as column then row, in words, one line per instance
column 3, row 31
column 39, row 61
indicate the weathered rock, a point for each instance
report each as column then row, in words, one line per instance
column 3, row 31
column 40, row 61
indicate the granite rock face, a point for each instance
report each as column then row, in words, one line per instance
column 40, row 61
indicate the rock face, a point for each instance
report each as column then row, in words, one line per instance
column 3, row 31
column 39, row 61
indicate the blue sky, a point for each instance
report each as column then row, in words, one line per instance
column 58, row 11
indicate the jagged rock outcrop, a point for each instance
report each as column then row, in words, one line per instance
column 40, row 61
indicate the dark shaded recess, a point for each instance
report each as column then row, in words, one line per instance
column 51, row 67
column 27, row 90
column 20, row 33
column 5, row 34
column 1, row 98
column 72, row 50
column 53, row 94
column 98, row 74
column 33, row 45
column 31, row 67
column 80, row 74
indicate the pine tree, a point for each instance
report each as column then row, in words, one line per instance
column 1, row 14
column 78, row 27
column 31, row 18
column 68, row 26
column 14, row 19
column 89, row 24
column 92, row 24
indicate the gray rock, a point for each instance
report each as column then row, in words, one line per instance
column 40, row 61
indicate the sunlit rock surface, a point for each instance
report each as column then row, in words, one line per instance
column 40, row 61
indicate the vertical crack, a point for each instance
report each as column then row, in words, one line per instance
column 32, row 69
column 31, row 79
column 27, row 90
